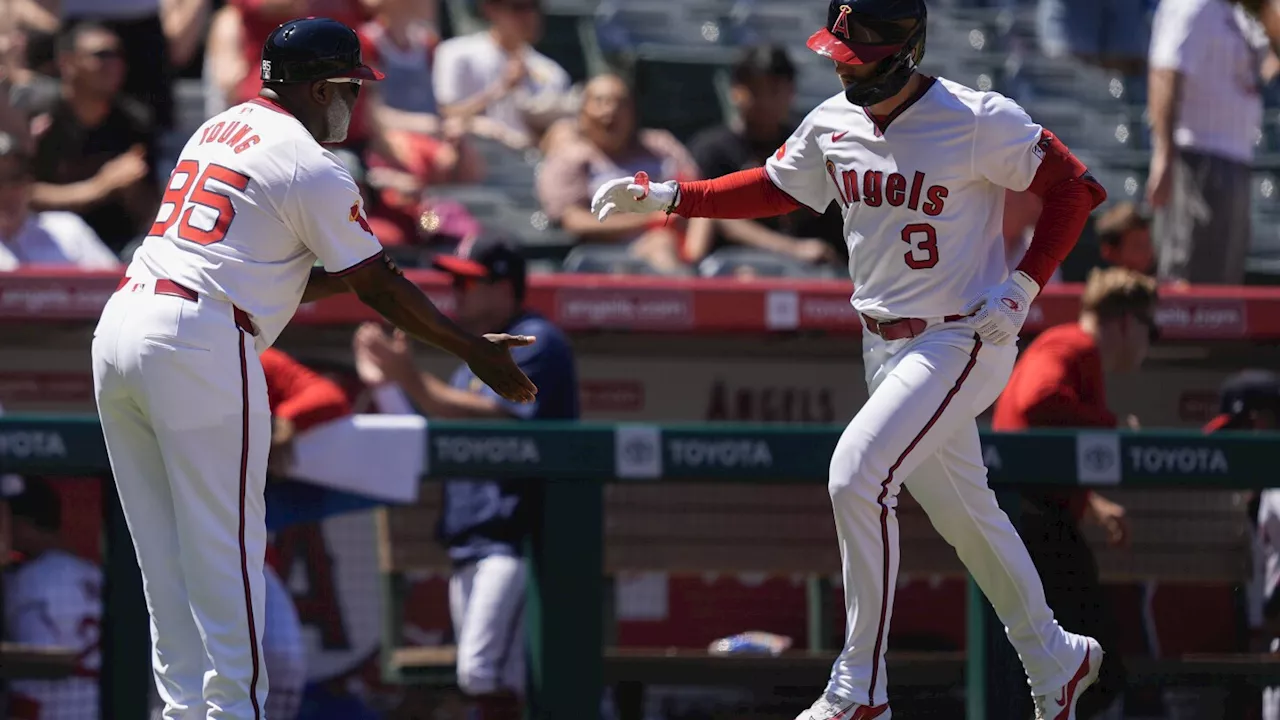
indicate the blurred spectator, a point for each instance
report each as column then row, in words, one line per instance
column 1209, row 60
column 299, row 398
column 497, row 81
column 762, row 92
column 484, row 523
column 25, row 26
column 1107, row 33
column 40, row 238
column 151, row 32
column 402, row 42
column 259, row 17
column 1124, row 238
column 1059, row 381
column 52, row 598
column 91, row 147
column 26, row 80
column 1249, row 401
column 610, row 145
column 225, row 64
column 30, row 15
column 184, row 23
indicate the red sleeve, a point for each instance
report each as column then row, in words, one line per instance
column 300, row 394
column 1070, row 193
column 744, row 194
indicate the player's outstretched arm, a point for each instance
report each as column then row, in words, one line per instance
column 747, row 194
column 382, row 286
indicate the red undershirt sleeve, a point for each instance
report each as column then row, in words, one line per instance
column 746, row 194
column 1070, row 193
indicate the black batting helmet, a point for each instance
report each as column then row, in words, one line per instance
column 861, row 32
column 310, row 49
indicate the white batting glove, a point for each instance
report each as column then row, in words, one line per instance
column 998, row 314
column 634, row 195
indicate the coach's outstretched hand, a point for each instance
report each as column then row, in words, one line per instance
column 491, row 362
column 998, row 314
column 634, row 195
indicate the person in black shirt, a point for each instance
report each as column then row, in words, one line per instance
column 762, row 91
column 91, row 147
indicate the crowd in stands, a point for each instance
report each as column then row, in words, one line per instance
column 90, row 124
column 88, row 127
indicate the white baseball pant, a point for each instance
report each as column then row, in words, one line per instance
column 918, row 426
column 486, row 599
column 183, row 403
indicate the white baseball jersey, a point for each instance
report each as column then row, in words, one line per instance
column 55, row 600
column 251, row 205
column 1266, row 555
column 922, row 192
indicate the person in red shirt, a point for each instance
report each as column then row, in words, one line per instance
column 300, row 399
column 1060, row 382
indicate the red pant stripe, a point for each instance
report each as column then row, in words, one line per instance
column 244, row 553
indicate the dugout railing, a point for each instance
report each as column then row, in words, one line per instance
column 567, row 604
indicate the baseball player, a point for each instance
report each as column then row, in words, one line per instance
column 484, row 523
column 253, row 203
column 53, row 599
column 919, row 166
column 1249, row 401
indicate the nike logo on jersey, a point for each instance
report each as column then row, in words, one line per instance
column 1011, row 304
column 874, row 188
column 836, row 137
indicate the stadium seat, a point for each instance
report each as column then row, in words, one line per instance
column 605, row 260
column 570, row 7
column 734, row 261
column 757, row 23
column 562, row 37
column 815, row 80
column 662, row 28
column 510, row 212
column 1265, row 192
column 188, row 106
column 507, row 168
column 1122, row 185
column 678, row 96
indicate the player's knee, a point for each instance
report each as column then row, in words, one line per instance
column 849, row 477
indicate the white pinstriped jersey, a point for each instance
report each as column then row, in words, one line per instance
column 55, row 601
column 253, row 202
column 923, row 197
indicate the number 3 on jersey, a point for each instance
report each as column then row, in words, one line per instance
column 923, row 240
column 180, row 206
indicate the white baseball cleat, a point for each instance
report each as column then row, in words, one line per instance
column 833, row 707
column 1061, row 705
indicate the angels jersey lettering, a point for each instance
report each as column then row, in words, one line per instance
column 253, row 203
column 922, row 192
